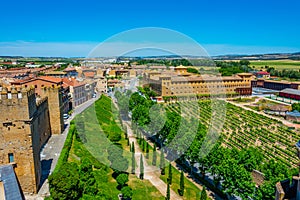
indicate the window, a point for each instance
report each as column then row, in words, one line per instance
column 19, row 95
column 11, row 157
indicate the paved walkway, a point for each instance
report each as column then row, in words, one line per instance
column 51, row 151
column 151, row 173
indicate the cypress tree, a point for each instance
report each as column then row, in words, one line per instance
column 181, row 190
column 170, row 174
column 147, row 149
column 203, row 194
column 162, row 162
column 154, row 155
column 143, row 144
column 141, row 168
column 168, row 192
column 132, row 159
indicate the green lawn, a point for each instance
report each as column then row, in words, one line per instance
column 143, row 189
column 277, row 64
column 190, row 190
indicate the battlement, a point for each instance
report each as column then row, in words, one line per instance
column 13, row 92
column 53, row 87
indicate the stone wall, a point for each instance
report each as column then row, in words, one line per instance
column 56, row 108
column 24, row 128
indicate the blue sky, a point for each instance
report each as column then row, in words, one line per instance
column 73, row 28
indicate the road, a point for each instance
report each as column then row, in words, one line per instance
column 51, row 151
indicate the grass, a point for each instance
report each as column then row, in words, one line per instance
column 100, row 120
column 277, row 64
column 190, row 190
column 143, row 189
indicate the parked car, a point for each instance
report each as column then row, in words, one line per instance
column 66, row 116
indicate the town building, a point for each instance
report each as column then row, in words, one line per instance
column 290, row 93
column 9, row 185
column 77, row 91
column 262, row 74
column 71, row 72
column 58, row 95
column 293, row 116
column 275, row 85
column 182, row 83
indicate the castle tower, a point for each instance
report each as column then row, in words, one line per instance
column 54, row 96
column 24, row 128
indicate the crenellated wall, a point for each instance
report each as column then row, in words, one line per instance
column 24, row 129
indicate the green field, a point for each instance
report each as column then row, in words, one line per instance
column 277, row 64
column 243, row 128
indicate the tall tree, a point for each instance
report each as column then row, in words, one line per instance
column 168, row 192
column 170, row 174
column 64, row 184
column 147, row 149
column 154, row 155
column 132, row 147
column 162, row 162
column 143, row 144
column 181, row 190
column 141, row 167
column 132, row 158
column 203, row 195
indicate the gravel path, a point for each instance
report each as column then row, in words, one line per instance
column 151, row 173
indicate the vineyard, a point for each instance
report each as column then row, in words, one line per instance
column 243, row 128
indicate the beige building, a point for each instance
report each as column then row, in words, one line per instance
column 182, row 83
column 101, row 85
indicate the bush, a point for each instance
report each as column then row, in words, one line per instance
column 63, row 158
column 127, row 192
column 122, row 179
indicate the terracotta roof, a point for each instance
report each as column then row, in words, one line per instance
column 72, row 82
column 69, row 69
column 50, row 79
column 89, row 74
column 263, row 73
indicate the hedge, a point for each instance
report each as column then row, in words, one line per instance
column 63, row 158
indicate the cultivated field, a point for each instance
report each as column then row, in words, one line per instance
column 243, row 128
column 277, row 64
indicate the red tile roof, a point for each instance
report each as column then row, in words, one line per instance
column 72, row 82
column 263, row 73
column 50, row 79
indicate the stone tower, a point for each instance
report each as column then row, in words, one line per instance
column 24, row 128
column 54, row 96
